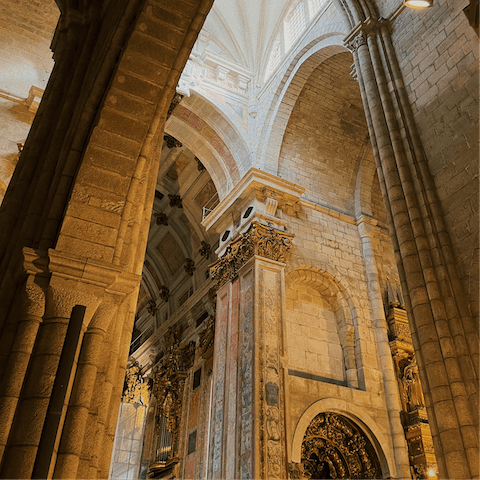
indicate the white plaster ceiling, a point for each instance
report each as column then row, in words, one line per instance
column 246, row 27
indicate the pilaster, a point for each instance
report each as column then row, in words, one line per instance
column 248, row 431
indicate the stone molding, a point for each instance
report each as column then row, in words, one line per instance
column 255, row 184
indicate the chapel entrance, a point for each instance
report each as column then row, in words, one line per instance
column 335, row 447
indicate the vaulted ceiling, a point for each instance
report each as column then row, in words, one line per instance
column 245, row 27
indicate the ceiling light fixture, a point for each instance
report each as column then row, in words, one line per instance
column 418, row 3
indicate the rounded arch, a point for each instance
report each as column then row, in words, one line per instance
column 228, row 126
column 210, row 135
column 360, row 416
column 205, row 151
column 299, row 71
column 302, row 267
column 343, row 308
column 364, row 182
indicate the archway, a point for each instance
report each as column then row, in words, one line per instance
column 336, row 447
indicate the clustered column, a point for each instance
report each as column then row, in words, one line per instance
column 443, row 332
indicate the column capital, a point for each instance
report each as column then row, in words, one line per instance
column 258, row 240
column 358, row 35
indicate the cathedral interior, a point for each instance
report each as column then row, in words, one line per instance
column 239, row 239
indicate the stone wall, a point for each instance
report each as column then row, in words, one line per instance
column 438, row 55
column 325, row 136
column 26, row 30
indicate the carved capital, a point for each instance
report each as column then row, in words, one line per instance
column 32, row 300
column 258, row 240
column 357, row 41
column 60, row 302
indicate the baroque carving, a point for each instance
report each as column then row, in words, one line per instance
column 177, row 98
column 152, row 307
column 205, row 250
column 207, row 337
column 161, row 219
column 258, row 240
column 334, row 447
column 413, row 415
column 164, row 293
column 200, row 165
column 136, row 389
column 171, row 142
column 169, row 384
column 32, row 300
column 175, row 201
column 296, row 471
column 189, row 266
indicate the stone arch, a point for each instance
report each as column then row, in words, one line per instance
column 358, row 415
column 300, row 69
column 204, row 140
column 228, row 126
column 364, row 182
column 332, row 291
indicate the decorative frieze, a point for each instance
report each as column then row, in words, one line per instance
column 272, row 437
column 257, row 240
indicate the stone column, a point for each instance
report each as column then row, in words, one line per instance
column 73, row 433
column 441, row 326
column 248, row 427
column 30, row 414
column 32, row 308
column 366, row 231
